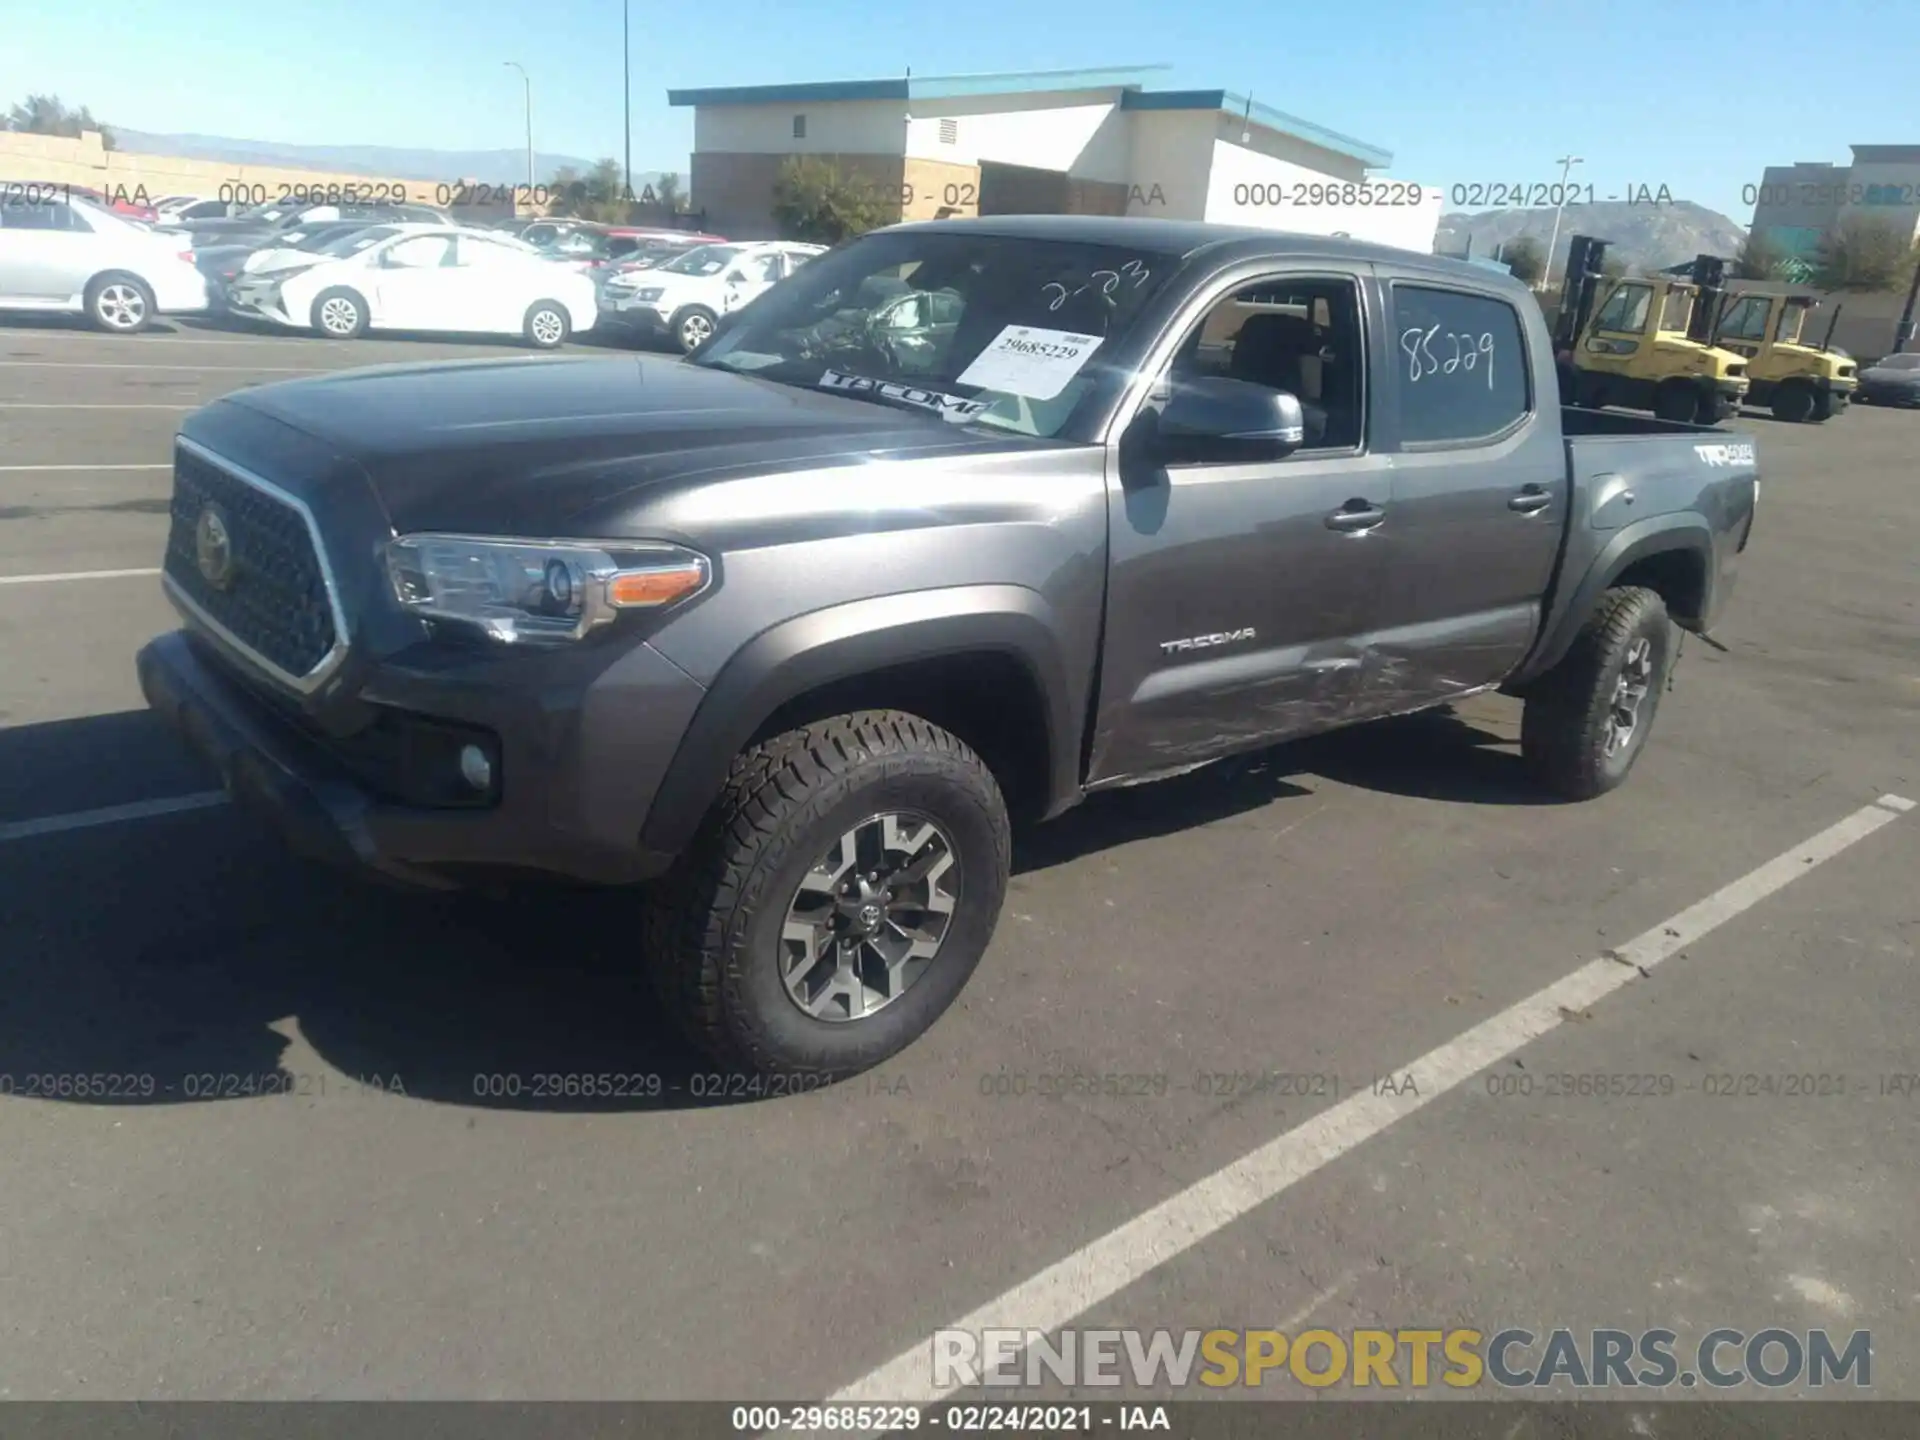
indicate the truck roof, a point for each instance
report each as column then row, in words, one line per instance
column 1188, row 237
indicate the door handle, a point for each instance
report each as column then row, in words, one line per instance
column 1530, row 500
column 1356, row 517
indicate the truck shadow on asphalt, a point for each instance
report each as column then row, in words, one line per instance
column 188, row 958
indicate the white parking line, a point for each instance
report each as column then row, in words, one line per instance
column 72, row 575
column 171, row 339
column 1102, row 1269
column 19, row 469
column 32, row 405
column 116, row 365
column 111, row 815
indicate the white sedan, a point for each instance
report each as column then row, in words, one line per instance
column 445, row 278
column 61, row 253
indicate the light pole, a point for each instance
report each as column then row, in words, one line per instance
column 529, row 84
column 1566, row 163
column 626, row 78
column 1903, row 332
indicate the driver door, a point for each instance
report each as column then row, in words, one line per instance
column 1241, row 593
column 415, row 286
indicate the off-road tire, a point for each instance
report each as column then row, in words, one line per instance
column 712, row 927
column 1563, row 729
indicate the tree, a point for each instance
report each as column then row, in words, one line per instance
column 814, row 200
column 667, row 195
column 1759, row 259
column 46, row 115
column 1526, row 257
column 600, row 194
column 1864, row 254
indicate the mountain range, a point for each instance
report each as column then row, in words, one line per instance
column 1644, row 235
column 490, row 167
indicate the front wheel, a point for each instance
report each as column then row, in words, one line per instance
column 1678, row 402
column 1586, row 720
column 1793, row 404
column 546, row 326
column 340, row 315
column 837, row 898
column 693, row 327
column 120, row 304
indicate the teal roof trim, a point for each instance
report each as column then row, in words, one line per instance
column 1239, row 107
column 926, row 87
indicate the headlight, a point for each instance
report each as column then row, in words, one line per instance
column 650, row 294
column 538, row 591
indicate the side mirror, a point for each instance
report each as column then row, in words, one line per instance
column 1214, row 418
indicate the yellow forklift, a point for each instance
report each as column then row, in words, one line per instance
column 1645, row 342
column 1797, row 380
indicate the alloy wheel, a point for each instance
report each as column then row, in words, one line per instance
column 548, row 328
column 339, row 316
column 121, row 306
column 1629, row 695
column 694, row 331
column 869, row 918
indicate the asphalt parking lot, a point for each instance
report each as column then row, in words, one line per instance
column 1342, row 910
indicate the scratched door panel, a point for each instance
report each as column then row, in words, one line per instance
column 1235, row 613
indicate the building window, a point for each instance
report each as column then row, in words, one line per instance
column 799, row 127
column 949, row 132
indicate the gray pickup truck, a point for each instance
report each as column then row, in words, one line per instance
column 795, row 628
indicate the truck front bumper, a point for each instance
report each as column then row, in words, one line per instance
column 549, row 820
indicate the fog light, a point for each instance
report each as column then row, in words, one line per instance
column 475, row 768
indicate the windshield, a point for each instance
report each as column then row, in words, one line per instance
column 1792, row 317
column 1899, row 362
column 993, row 330
column 271, row 213
column 707, row 260
column 354, row 241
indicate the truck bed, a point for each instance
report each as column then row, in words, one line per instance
column 1576, row 420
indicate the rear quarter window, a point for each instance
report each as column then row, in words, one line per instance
column 1461, row 362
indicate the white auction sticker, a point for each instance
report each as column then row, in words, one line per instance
column 948, row 407
column 1027, row 360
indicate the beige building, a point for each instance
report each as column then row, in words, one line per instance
column 84, row 161
column 1796, row 206
column 1053, row 142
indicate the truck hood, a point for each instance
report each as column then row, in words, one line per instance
column 581, row 445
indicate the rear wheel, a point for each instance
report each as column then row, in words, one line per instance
column 121, row 304
column 1793, row 403
column 837, row 898
column 693, row 327
column 1587, row 719
column 340, row 314
column 546, row 326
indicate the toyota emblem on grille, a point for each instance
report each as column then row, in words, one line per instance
column 213, row 547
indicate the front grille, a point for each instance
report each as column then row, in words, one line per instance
column 276, row 603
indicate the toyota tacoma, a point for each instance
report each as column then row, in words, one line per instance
column 793, row 630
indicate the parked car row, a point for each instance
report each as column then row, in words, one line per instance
column 685, row 297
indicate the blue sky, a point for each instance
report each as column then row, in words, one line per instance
column 1487, row 91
